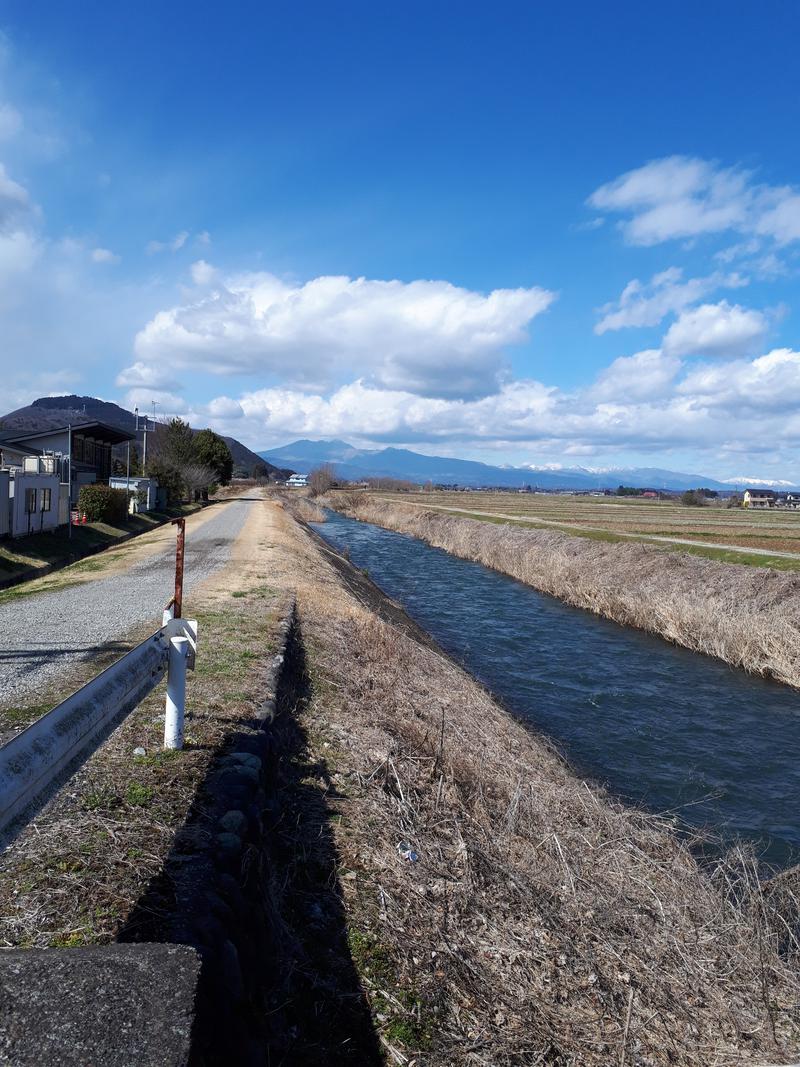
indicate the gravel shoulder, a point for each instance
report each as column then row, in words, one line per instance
column 91, row 611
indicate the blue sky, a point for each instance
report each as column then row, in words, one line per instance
column 548, row 234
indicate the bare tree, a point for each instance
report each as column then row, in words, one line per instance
column 196, row 478
column 321, row 479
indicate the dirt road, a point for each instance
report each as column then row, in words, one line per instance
column 83, row 613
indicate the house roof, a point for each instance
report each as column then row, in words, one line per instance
column 761, row 492
column 111, row 434
column 12, row 446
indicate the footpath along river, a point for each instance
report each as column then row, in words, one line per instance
column 665, row 728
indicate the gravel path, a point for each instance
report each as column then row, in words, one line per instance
column 44, row 635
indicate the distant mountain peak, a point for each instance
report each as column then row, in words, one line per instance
column 393, row 462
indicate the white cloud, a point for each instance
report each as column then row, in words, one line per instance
column 146, row 376
column 203, row 238
column 203, row 273
column 10, row 122
column 104, row 255
column 646, row 304
column 680, row 197
column 783, row 220
column 14, row 198
column 223, row 407
column 769, row 383
column 425, row 337
column 177, row 242
column 644, row 376
column 716, row 330
column 167, row 404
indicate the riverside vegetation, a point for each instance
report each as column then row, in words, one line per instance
column 747, row 616
column 543, row 922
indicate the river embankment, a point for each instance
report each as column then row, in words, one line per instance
column 498, row 906
column 748, row 617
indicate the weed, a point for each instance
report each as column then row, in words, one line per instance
column 139, row 795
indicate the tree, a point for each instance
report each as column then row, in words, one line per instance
column 186, row 463
column 211, row 451
column 261, row 472
column 178, row 441
column 693, row 498
column 321, row 479
column 197, row 478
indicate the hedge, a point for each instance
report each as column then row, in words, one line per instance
column 99, row 503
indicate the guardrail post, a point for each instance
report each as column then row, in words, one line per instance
column 176, row 692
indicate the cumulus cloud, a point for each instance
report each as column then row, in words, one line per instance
column 716, row 330
column 768, row 383
column 104, row 255
column 423, row 337
column 643, row 376
column 202, row 273
column 647, row 303
column 224, row 407
column 651, row 402
column 147, row 376
column 684, row 197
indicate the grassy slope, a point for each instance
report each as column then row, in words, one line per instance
column 541, row 922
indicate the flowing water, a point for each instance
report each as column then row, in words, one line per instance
column 663, row 727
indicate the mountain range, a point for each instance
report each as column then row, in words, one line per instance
column 360, row 463
column 55, row 411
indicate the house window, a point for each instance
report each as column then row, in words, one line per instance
column 45, row 497
column 30, row 501
column 77, row 448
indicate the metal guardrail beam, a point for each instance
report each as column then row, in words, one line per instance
column 54, row 747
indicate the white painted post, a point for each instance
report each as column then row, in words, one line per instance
column 167, row 614
column 176, row 692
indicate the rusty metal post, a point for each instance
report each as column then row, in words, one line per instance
column 177, row 600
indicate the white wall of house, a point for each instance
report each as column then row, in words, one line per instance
column 34, row 500
column 5, row 502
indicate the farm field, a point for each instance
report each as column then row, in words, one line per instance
column 762, row 538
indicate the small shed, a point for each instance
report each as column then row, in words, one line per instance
column 144, row 492
column 33, row 501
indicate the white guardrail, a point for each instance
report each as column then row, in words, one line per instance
column 51, row 749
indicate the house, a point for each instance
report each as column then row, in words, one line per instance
column 297, row 481
column 650, row 494
column 758, row 498
column 81, row 453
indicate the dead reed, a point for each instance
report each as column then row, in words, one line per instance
column 747, row 616
column 541, row 922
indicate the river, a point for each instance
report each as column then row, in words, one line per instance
column 665, row 728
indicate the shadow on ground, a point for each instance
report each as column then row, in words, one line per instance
column 278, row 986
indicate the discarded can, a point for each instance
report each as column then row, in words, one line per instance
column 407, row 852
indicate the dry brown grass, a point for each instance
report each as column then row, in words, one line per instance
column 746, row 616
column 543, row 923
column 302, row 507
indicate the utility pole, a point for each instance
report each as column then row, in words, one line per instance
column 144, row 429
